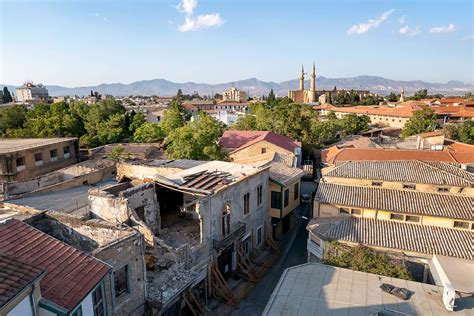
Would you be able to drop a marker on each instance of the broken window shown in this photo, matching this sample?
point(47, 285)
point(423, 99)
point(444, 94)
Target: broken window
point(53, 153)
point(121, 281)
point(246, 203)
point(98, 301)
point(276, 199)
point(66, 149)
point(38, 157)
point(20, 163)
point(140, 212)
point(226, 221)
point(259, 195)
point(287, 197)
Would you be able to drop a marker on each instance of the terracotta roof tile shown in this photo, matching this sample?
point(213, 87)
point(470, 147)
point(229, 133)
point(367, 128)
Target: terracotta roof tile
point(237, 140)
point(400, 201)
point(15, 275)
point(71, 274)
point(396, 235)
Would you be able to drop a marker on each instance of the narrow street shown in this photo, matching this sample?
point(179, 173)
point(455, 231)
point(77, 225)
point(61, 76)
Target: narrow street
point(293, 247)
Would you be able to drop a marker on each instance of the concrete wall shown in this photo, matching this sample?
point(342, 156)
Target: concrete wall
point(131, 252)
point(256, 149)
point(125, 170)
point(32, 170)
point(211, 210)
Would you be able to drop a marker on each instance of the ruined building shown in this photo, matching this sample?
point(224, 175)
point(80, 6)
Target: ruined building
point(202, 222)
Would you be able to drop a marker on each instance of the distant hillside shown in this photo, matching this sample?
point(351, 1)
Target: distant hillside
point(254, 86)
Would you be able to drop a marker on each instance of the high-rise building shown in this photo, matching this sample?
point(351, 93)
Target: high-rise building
point(31, 92)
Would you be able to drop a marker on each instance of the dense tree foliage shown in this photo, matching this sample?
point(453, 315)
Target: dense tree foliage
point(365, 259)
point(148, 133)
point(197, 139)
point(174, 117)
point(392, 97)
point(463, 132)
point(7, 97)
point(422, 121)
point(12, 118)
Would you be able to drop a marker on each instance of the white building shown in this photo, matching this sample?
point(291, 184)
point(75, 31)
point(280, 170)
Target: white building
point(30, 92)
point(235, 95)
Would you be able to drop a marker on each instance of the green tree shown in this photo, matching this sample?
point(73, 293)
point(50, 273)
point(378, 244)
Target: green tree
point(271, 98)
point(7, 97)
point(116, 153)
point(365, 259)
point(451, 130)
point(12, 118)
point(173, 118)
point(149, 133)
point(196, 140)
point(324, 133)
point(466, 132)
point(137, 120)
point(352, 124)
point(420, 94)
point(247, 122)
point(331, 116)
point(392, 97)
point(422, 121)
point(112, 130)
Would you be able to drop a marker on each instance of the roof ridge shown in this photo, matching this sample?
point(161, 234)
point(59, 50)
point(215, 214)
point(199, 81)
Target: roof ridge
point(444, 171)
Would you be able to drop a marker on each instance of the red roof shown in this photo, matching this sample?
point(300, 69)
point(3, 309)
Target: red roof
point(15, 276)
point(237, 140)
point(70, 273)
point(452, 100)
point(357, 154)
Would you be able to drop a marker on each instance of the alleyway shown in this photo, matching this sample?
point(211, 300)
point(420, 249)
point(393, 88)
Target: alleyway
point(293, 246)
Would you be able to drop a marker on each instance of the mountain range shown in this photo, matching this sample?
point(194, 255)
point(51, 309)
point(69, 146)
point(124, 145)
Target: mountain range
point(257, 87)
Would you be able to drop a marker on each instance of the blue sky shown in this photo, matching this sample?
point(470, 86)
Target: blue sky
point(74, 43)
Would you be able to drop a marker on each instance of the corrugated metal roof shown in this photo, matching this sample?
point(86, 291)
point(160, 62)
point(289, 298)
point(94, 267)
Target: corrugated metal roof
point(401, 201)
point(15, 275)
point(396, 235)
point(71, 274)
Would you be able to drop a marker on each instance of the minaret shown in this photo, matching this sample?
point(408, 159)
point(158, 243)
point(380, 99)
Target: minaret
point(302, 78)
point(313, 79)
point(402, 95)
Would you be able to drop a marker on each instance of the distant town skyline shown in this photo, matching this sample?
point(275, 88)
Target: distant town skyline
point(225, 41)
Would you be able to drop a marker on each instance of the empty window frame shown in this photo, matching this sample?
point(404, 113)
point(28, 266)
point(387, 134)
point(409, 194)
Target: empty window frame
point(397, 217)
point(276, 199)
point(53, 153)
point(20, 161)
point(246, 203)
point(412, 218)
point(443, 189)
point(121, 285)
point(38, 157)
point(296, 194)
point(343, 210)
point(259, 195)
point(376, 183)
point(287, 197)
point(460, 224)
point(409, 186)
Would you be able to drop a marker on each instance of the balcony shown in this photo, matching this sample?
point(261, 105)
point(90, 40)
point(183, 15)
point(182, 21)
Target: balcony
point(237, 231)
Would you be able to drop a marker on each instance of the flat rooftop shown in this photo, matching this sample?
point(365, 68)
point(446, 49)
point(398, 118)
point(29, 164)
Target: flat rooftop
point(15, 144)
point(317, 289)
point(66, 201)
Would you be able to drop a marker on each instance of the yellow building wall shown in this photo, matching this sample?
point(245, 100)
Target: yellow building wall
point(256, 149)
point(292, 202)
point(330, 210)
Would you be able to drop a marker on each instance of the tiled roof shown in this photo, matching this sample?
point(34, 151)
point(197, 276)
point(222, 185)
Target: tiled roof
point(15, 275)
point(396, 235)
point(283, 174)
point(401, 201)
point(412, 171)
point(356, 154)
point(237, 140)
point(71, 274)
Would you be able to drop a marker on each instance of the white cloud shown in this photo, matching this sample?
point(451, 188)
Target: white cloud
point(443, 29)
point(402, 19)
point(201, 22)
point(406, 30)
point(187, 6)
point(370, 24)
point(468, 38)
